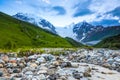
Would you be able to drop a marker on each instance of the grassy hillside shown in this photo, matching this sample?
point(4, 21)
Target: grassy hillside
point(111, 42)
point(73, 42)
point(18, 34)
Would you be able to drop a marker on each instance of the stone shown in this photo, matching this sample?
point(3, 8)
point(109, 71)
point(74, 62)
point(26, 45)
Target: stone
point(14, 65)
point(117, 59)
point(110, 60)
point(1, 65)
point(2, 62)
point(12, 78)
point(48, 57)
point(33, 65)
point(5, 58)
point(1, 73)
point(77, 75)
point(42, 77)
point(75, 65)
point(41, 60)
point(13, 61)
point(88, 69)
point(3, 78)
point(53, 76)
point(86, 74)
point(66, 64)
point(9, 65)
point(21, 65)
point(10, 71)
point(32, 57)
point(16, 71)
point(42, 72)
point(18, 75)
point(51, 71)
point(56, 63)
point(106, 65)
point(29, 73)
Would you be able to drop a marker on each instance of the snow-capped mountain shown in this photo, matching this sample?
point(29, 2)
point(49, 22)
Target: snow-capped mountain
point(86, 33)
point(76, 31)
point(36, 21)
point(81, 29)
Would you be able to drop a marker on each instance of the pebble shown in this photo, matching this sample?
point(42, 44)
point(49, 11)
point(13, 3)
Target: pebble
point(5, 58)
point(1, 73)
point(66, 64)
point(77, 75)
point(1, 65)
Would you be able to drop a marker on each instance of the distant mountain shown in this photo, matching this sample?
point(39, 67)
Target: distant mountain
point(110, 42)
point(15, 33)
point(81, 29)
point(36, 21)
point(88, 34)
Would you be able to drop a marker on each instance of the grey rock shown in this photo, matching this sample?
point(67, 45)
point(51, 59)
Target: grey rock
point(48, 57)
point(16, 71)
point(66, 64)
point(77, 75)
point(1, 73)
point(41, 60)
point(29, 73)
point(53, 77)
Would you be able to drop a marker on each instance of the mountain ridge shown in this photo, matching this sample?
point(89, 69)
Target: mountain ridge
point(38, 21)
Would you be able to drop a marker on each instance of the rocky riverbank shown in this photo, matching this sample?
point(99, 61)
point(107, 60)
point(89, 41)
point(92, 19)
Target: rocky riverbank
point(82, 64)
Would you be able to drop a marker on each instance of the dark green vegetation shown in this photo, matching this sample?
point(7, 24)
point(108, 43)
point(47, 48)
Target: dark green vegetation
point(110, 42)
point(18, 34)
point(73, 42)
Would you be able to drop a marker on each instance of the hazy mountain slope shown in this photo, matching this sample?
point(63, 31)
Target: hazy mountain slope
point(15, 33)
point(110, 42)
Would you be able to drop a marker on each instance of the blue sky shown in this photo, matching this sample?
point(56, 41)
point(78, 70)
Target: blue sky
point(64, 12)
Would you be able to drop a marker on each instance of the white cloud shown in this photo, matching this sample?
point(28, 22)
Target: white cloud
point(19, 2)
point(46, 1)
point(103, 6)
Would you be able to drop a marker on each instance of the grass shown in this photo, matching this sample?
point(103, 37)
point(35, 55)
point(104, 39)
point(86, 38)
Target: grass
point(110, 42)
